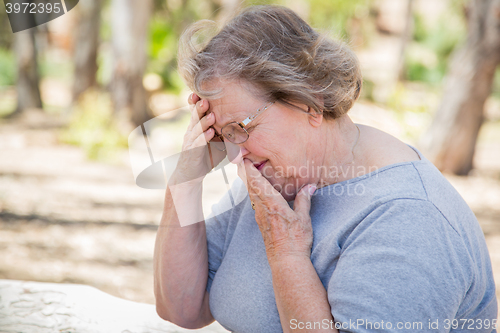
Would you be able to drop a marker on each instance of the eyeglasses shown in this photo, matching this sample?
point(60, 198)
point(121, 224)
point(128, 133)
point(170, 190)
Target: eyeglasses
point(235, 132)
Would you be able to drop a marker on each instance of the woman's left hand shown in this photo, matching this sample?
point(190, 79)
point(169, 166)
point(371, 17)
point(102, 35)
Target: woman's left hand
point(286, 232)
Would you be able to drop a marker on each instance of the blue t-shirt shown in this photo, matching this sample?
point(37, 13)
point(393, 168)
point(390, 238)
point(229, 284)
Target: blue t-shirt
point(397, 249)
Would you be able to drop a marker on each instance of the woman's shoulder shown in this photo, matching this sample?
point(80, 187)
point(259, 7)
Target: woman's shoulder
point(380, 149)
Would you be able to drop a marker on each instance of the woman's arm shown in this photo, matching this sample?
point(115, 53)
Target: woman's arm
point(181, 266)
point(300, 296)
point(180, 257)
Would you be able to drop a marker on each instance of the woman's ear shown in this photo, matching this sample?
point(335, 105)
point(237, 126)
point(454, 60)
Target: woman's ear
point(315, 118)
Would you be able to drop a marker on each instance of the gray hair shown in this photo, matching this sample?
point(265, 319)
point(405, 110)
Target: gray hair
point(276, 51)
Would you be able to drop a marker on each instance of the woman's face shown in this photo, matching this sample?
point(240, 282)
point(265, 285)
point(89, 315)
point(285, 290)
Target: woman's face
point(280, 138)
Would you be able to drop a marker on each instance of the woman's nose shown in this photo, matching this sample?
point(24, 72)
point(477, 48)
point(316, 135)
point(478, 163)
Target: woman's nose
point(244, 151)
point(235, 152)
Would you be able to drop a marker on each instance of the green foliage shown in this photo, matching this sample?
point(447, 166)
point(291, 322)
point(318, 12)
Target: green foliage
point(367, 90)
point(332, 15)
point(411, 103)
point(55, 67)
point(8, 101)
point(172, 17)
point(496, 84)
point(6, 35)
point(335, 14)
point(104, 67)
point(420, 31)
point(260, 2)
point(427, 57)
point(400, 100)
point(162, 53)
point(93, 127)
point(169, 21)
point(7, 68)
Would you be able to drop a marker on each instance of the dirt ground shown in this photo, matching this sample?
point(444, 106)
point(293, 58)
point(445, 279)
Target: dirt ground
point(66, 219)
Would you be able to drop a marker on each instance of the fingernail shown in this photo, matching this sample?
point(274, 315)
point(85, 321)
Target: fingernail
point(202, 103)
point(210, 116)
point(312, 189)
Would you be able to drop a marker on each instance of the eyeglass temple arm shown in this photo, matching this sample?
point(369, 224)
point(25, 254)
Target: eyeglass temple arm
point(252, 117)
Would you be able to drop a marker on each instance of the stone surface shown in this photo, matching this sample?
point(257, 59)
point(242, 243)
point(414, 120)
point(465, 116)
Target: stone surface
point(50, 307)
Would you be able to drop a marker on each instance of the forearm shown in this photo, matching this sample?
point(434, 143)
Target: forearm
point(181, 262)
point(300, 296)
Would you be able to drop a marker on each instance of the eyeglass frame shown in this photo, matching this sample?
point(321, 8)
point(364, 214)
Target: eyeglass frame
point(243, 124)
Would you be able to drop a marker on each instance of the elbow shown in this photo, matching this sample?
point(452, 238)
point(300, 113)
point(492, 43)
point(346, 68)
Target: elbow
point(162, 312)
point(182, 320)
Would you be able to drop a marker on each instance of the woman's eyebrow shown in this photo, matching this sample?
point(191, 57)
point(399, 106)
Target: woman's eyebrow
point(228, 120)
point(215, 124)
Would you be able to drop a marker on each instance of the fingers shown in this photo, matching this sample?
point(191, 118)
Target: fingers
point(302, 204)
point(198, 131)
point(198, 107)
point(242, 174)
point(198, 112)
point(204, 126)
point(201, 108)
point(193, 98)
point(258, 187)
point(203, 137)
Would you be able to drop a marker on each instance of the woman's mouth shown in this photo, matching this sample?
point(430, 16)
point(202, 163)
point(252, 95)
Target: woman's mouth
point(261, 165)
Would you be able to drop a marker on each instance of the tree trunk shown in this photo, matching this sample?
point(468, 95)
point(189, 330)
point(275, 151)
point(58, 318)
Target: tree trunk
point(405, 39)
point(130, 22)
point(86, 45)
point(450, 141)
point(27, 85)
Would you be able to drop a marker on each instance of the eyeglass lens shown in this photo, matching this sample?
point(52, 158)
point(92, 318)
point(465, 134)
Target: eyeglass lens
point(234, 133)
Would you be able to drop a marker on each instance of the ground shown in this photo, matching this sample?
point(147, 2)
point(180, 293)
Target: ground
point(66, 219)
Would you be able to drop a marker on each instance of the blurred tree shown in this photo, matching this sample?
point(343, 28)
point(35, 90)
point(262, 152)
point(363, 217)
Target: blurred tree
point(5, 30)
point(170, 19)
point(434, 40)
point(450, 141)
point(130, 23)
point(27, 84)
point(227, 9)
point(86, 45)
point(405, 38)
point(334, 14)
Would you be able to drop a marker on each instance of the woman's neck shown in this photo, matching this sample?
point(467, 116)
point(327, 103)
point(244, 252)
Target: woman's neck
point(340, 157)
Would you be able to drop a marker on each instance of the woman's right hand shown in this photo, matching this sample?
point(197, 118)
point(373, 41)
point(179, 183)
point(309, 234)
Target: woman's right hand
point(196, 159)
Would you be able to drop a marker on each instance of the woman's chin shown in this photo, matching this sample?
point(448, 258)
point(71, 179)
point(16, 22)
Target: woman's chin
point(287, 192)
point(289, 197)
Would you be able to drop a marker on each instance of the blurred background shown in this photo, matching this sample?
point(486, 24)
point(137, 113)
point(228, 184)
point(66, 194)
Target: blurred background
point(72, 90)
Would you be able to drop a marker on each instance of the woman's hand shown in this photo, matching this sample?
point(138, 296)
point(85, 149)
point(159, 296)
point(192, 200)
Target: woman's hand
point(288, 238)
point(286, 232)
point(196, 159)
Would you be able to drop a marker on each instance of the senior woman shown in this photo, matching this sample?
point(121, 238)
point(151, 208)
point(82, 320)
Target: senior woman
point(342, 227)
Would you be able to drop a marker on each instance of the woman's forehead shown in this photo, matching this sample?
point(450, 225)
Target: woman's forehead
point(236, 100)
point(226, 113)
point(235, 103)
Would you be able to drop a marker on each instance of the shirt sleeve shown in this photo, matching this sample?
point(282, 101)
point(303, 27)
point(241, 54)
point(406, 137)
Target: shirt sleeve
point(218, 225)
point(403, 268)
